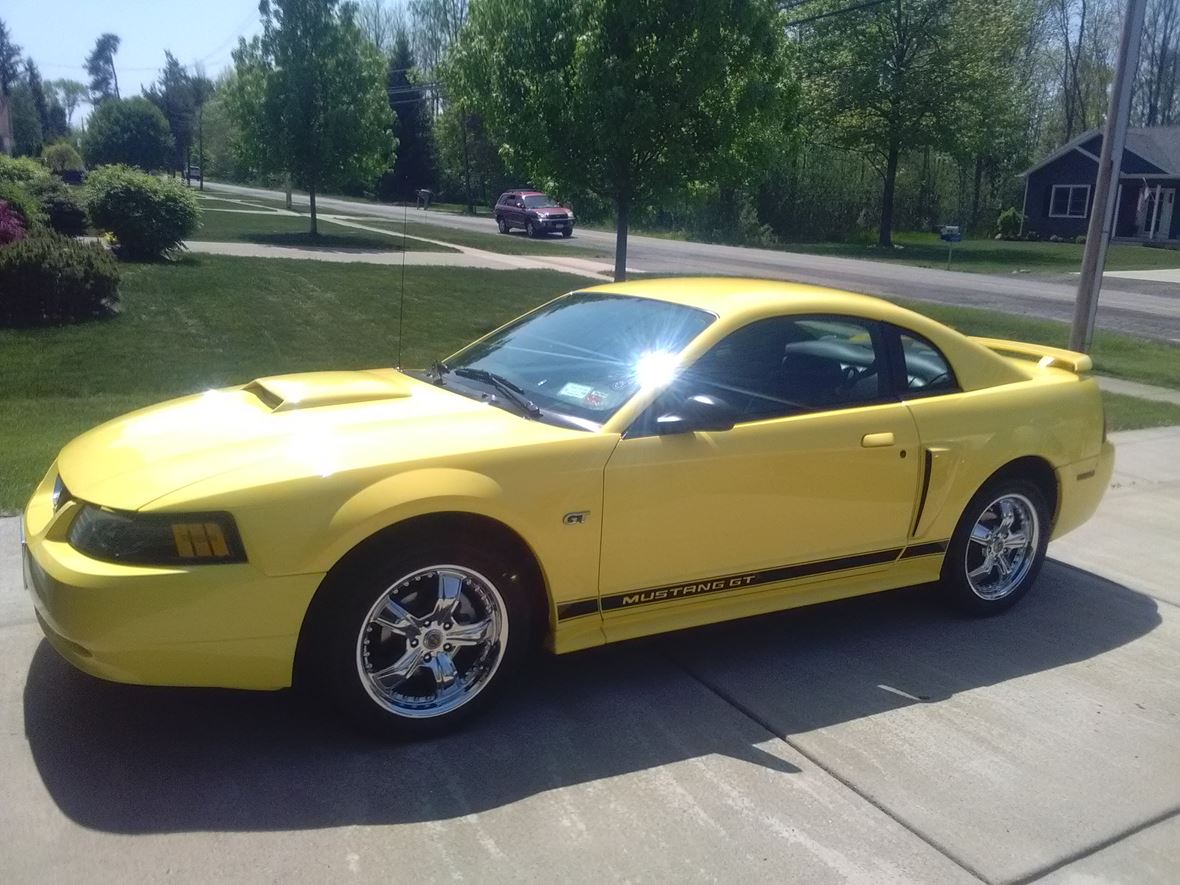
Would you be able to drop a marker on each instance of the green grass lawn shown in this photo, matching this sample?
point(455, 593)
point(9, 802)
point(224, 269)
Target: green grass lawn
point(995, 256)
point(289, 230)
point(208, 321)
point(1132, 413)
point(515, 243)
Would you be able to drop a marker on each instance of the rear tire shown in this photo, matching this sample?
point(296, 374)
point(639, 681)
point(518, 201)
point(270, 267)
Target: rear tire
point(416, 642)
point(998, 547)
point(503, 225)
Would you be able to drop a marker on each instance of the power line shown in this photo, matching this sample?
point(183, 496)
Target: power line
point(834, 12)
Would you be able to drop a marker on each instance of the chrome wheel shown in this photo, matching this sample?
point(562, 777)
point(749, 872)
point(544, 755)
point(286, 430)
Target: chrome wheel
point(1002, 546)
point(432, 641)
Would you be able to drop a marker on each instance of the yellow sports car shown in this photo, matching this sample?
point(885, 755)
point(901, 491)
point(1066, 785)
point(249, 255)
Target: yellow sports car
point(624, 460)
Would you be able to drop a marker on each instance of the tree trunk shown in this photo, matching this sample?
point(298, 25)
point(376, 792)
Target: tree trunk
point(885, 236)
point(977, 184)
point(115, 77)
point(622, 219)
point(467, 167)
point(201, 147)
point(311, 196)
point(288, 191)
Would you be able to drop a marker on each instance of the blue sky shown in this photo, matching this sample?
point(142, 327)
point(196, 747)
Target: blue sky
point(59, 34)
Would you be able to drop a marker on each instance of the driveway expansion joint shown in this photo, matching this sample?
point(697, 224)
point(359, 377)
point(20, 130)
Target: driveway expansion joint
point(810, 757)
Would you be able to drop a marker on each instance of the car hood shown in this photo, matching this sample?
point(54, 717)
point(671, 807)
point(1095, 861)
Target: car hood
point(281, 428)
point(552, 212)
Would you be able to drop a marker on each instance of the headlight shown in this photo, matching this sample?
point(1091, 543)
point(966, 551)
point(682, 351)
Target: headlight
point(60, 494)
point(156, 539)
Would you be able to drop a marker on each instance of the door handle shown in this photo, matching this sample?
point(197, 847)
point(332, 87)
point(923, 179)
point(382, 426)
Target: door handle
point(876, 440)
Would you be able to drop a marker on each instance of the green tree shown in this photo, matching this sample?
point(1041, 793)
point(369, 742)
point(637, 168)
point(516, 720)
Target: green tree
point(173, 95)
point(203, 91)
point(625, 100)
point(27, 134)
point(884, 80)
point(131, 131)
point(100, 65)
point(989, 39)
point(414, 167)
point(39, 97)
point(70, 94)
point(9, 77)
point(309, 97)
point(9, 60)
point(61, 157)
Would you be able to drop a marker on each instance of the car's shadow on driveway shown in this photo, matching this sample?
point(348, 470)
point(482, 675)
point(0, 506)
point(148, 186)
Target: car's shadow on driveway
point(143, 760)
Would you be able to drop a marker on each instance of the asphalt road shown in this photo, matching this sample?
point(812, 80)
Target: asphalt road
point(1137, 307)
point(875, 740)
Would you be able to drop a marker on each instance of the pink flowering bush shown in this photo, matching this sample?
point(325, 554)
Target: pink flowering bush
point(12, 226)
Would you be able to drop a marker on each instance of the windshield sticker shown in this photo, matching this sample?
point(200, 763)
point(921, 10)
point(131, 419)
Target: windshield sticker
point(595, 399)
point(575, 391)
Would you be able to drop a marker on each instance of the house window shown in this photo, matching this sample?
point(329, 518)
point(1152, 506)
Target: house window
point(1069, 201)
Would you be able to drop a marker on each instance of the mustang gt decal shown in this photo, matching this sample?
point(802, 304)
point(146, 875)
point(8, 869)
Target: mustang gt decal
point(631, 598)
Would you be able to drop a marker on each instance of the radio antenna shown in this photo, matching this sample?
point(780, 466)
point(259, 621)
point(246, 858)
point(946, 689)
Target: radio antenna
point(401, 307)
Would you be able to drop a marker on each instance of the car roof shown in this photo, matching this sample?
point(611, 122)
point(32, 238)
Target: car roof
point(726, 296)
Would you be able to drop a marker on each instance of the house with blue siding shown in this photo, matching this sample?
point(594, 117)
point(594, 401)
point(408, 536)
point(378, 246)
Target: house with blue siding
point(1058, 191)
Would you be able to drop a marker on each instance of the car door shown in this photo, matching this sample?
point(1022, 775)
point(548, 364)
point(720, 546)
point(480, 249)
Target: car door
point(516, 209)
point(816, 480)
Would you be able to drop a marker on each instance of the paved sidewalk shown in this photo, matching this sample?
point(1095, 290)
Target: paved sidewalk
point(876, 740)
point(1155, 276)
point(1135, 388)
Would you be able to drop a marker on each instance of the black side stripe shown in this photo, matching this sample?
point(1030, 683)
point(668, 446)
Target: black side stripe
point(578, 608)
point(925, 549)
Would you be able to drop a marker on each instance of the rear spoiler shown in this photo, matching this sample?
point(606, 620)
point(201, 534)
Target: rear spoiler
point(1043, 354)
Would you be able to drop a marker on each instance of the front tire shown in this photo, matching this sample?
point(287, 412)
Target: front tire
point(568, 232)
point(415, 644)
point(532, 230)
point(998, 547)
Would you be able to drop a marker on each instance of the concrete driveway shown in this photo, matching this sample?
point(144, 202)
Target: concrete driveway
point(874, 740)
point(1147, 308)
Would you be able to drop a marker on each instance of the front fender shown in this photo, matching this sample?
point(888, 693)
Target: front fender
point(402, 497)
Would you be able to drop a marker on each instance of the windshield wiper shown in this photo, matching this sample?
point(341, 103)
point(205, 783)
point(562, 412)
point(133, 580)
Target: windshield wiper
point(438, 369)
point(502, 384)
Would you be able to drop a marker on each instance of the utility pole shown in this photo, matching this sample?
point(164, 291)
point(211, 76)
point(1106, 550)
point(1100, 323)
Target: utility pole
point(1109, 164)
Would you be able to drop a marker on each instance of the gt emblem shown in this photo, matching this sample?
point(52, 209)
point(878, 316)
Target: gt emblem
point(576, 518)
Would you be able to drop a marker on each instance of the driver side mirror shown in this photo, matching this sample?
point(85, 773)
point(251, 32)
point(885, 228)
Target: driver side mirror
point(701, 412)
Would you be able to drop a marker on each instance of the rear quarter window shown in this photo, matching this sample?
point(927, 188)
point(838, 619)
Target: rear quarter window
point(926, 370)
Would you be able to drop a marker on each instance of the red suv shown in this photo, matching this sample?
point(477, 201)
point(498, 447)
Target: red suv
point(533, 211)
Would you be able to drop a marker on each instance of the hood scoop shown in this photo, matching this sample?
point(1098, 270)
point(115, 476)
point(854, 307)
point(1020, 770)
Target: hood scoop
point(286, 393)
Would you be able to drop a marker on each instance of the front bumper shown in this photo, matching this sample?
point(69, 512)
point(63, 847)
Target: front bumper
point(228, 626)
point(555, 224)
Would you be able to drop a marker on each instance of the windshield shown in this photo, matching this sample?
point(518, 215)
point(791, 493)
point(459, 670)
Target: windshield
point(584, 355)
point(539, 201)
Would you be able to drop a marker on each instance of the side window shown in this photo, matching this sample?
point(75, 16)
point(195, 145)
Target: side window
point(788, 365)
point(927, 371)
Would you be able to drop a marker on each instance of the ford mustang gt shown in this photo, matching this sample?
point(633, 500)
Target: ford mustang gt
point(623, 460)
